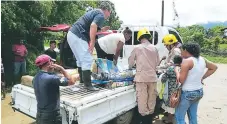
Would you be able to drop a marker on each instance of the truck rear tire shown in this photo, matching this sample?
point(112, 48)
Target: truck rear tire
point(125, 118)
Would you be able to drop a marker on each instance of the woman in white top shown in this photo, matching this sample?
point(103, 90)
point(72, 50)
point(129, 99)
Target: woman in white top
point(109, 46)
point(191, 76)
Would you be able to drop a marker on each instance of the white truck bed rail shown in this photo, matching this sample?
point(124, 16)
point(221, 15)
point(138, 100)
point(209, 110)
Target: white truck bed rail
point(76, 104)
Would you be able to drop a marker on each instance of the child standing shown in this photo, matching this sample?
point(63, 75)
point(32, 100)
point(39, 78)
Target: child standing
point(172, 77)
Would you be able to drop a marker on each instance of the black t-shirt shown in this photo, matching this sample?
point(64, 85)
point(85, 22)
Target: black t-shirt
point(51, 53)
point(46, 86)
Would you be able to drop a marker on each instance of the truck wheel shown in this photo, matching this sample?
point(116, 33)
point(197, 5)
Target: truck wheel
point(125, 118)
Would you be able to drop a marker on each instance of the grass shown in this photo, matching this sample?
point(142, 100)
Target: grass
point(216, 59)
point(223, 46)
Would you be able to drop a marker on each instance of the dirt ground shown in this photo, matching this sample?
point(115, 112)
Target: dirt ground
point(212, 107)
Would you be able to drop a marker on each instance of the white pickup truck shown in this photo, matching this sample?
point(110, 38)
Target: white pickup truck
point(83, 107)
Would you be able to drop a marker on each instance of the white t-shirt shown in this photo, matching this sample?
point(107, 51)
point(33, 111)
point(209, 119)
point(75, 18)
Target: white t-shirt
point(195, 75)
point(109, 42)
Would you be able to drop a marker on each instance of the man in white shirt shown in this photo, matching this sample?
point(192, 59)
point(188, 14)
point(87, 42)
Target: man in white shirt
point(109, 46)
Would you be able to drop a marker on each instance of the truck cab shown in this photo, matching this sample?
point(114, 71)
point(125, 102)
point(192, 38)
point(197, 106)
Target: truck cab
point(157, 32)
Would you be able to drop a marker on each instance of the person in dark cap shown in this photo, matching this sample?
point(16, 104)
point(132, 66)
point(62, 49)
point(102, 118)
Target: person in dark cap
point(82, 36)
point(46, 85)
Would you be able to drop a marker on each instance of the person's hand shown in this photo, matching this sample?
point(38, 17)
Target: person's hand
point(91, 47)
point(115, 62)
point(105, 28)
point(202, 82)
point(164, 57)
point(57, 67)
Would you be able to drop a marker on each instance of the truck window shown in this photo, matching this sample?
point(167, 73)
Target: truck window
point(155, 37)
point(176, 35)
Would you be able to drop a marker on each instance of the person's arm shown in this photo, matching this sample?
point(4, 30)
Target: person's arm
point(176, 70)
point(163, 58)
point(211, 69)
point(97, 22)
point(118, 50)
point(63, 71)
point(158, 61)
point(131, 59)
point(93, 31)
point(185, 67)
point(14, 49)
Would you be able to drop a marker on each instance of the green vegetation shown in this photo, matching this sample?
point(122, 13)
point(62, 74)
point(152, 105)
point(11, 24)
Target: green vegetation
point(21, 19)
point(216, 59)
point(210, 40)
point(223, 46)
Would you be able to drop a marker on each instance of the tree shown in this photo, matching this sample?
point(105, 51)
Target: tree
point(113, 20)
point(194, 33)
point(216, 41)
point(21, 19)
point(69, 11)
point(215, 31)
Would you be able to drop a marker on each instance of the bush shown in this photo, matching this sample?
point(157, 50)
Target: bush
point(33, 52)
point(31, 67)
point(216, 42)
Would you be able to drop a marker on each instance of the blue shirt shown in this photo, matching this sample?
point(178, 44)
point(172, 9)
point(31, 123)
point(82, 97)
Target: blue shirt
point(81, 27)
point(46, 86)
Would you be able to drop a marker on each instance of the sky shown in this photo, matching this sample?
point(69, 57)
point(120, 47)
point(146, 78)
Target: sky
point(189, 11)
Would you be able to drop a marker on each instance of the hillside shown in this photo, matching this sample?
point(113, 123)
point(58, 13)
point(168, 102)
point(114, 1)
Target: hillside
point(212, 24)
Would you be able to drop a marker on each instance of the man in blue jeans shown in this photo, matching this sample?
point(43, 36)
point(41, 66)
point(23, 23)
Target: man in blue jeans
point(20, 52)
point(82, 36)
point(46, 85)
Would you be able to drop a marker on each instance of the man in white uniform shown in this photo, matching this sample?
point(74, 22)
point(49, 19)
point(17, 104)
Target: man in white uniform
point(109, 46)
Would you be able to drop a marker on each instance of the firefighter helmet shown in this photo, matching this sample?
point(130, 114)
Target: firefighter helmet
point(143, 32)
point(169, 39)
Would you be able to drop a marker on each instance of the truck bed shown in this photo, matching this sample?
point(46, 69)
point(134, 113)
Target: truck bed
point(78, 104)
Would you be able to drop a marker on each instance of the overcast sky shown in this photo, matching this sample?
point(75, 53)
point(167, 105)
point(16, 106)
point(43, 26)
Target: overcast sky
point(190, 11)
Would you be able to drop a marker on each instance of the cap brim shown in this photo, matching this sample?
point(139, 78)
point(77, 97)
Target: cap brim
point(54, 60)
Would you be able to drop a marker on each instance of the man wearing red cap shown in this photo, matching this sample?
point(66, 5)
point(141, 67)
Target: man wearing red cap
point(46, 85)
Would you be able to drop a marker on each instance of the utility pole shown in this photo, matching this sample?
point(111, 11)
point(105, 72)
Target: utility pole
point(176, 16)
point(162, 18)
